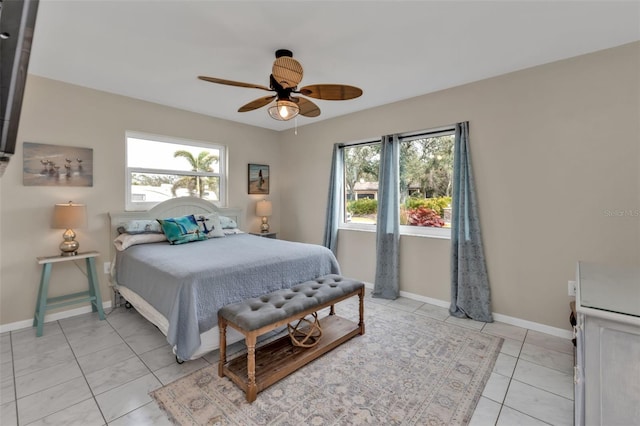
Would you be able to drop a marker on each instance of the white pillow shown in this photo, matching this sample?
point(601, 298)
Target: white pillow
point(210, 225)
point(228, 223)
point(124, 241)
point(140, 227)
point(232, 231)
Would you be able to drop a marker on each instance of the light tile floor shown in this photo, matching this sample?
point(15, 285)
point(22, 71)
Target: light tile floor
point(83, 371)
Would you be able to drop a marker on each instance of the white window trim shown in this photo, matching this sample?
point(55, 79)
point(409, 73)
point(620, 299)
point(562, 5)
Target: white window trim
point(144, 206)
point(413, 231)
point(358, 226)
point(426, 231)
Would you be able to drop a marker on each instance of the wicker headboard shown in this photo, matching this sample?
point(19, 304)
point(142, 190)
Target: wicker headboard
point(172, 208)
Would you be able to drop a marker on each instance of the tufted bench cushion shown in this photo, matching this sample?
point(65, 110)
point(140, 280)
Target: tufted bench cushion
point(252, 314)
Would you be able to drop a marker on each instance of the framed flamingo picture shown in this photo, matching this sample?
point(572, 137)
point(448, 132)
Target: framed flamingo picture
point(55, 165)
point(258, 179)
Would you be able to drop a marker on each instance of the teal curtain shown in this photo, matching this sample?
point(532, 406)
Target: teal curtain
point(387, 282)
point(334, 200)
point(470, 293)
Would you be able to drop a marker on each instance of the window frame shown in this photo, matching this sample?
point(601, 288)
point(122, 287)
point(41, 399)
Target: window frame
point(131, 205)
point(416, 231)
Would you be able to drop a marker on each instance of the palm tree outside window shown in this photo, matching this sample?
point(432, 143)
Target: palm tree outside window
point(160, 168)
point(197, 185)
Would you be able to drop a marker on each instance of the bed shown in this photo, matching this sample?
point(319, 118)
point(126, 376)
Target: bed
point(179, 288)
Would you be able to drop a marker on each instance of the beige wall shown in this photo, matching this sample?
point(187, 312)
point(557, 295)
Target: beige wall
point(553, 148)
point(63, 114)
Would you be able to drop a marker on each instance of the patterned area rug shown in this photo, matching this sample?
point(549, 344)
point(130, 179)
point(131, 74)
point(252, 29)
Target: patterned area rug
point(405, 370)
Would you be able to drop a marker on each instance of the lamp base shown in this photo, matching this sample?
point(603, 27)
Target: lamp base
point(69, 251)
point(69, 247)
point(264, 228)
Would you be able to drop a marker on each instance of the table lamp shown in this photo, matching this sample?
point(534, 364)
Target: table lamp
point(68, 216)
point(263, 208)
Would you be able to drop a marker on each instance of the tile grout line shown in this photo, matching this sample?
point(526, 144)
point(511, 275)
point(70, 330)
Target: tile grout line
point(152, 372)
point(538, 388)
point(506, 392)
point(63, 408)
point(93, 396)
point(13, 372)
point(511, 379)
point(140, 359)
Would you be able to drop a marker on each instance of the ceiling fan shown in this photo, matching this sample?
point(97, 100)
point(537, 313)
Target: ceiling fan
point(285, 76)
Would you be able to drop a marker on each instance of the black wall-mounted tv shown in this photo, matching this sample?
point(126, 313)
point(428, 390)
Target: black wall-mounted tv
point(17, 23)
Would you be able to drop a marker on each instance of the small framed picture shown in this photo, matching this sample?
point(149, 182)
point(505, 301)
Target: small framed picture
point(258, 179)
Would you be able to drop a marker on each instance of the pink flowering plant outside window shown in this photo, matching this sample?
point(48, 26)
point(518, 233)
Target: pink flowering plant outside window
point(424, 216)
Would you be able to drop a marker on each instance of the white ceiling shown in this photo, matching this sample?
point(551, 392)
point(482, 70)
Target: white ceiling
point(393, 50)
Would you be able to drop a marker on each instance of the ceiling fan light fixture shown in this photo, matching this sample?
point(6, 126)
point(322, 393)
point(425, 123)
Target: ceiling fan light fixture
point(284, 110)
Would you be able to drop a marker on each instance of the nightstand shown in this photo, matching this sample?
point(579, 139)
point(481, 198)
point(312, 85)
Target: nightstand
point(92, 295)
point(273, 235)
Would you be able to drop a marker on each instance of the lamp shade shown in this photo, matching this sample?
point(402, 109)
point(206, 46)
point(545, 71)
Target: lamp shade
point(284, 110)
point(70, 215)
point(263, 208)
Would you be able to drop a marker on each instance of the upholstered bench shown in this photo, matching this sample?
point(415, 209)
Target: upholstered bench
point(257, 316)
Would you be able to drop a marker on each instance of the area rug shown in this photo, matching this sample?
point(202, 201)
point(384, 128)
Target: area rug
point(405, 370)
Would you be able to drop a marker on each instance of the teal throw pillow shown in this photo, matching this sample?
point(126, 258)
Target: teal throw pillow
point(180, 230)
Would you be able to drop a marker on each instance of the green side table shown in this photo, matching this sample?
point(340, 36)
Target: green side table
point(92, 295)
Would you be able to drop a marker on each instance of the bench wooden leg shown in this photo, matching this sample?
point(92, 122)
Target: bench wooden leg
point(222, 325)
point(361, 297)
point(332, 311)
point(252, 389)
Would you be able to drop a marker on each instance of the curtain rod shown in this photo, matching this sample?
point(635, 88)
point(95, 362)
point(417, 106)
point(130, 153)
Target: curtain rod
point(427, 133)
point(349, 145)
point(413, 135)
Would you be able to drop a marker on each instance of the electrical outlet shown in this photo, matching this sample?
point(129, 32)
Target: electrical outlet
point(107, 267)
point(572, 288)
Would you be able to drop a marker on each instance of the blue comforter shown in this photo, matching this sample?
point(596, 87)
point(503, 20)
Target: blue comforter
point(189, 283)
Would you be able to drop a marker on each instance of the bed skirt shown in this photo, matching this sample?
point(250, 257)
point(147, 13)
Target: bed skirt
point(210, 339)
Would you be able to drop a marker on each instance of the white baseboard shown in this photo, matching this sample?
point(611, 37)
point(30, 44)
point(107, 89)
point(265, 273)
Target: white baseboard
point(535, 326)
point(518, 322)
point(19, 325)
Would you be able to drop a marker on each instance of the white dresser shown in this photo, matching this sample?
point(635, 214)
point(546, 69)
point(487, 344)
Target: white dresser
point(607, 371)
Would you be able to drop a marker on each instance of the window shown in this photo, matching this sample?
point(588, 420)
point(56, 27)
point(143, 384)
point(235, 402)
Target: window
point(426, 183)
point(160, 168)
point(361, 164)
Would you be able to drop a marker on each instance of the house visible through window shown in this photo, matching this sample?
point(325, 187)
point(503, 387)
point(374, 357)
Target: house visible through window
point(426, 181)
point(361, 164)
point(160, 168)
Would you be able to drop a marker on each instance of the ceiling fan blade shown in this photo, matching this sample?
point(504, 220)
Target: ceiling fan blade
point(307, 108)
point(287, 71)
point(233, 83)
point(331, 92)
point(256, 103)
